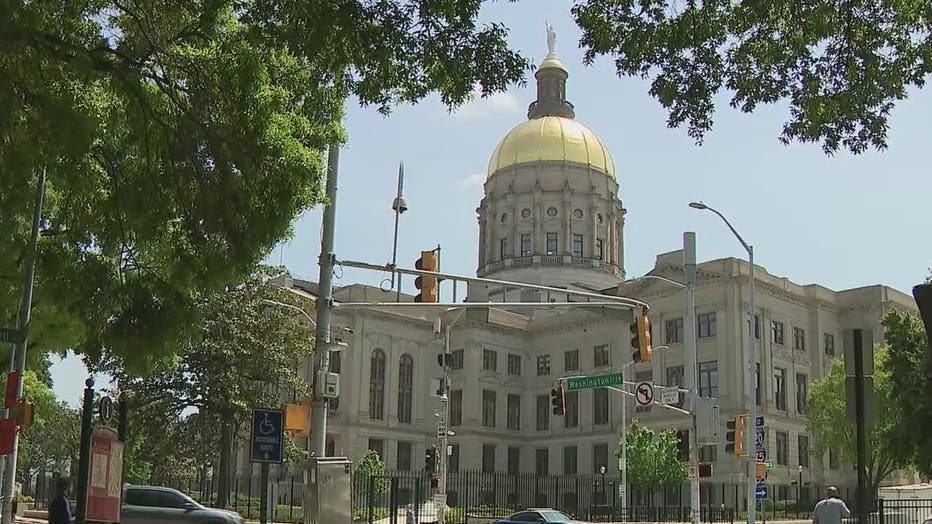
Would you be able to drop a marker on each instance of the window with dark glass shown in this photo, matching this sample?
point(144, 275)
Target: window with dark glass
point(777, 332)
point(570, 460)
point(541, 461)
point(489, 360)
point(543, 365)
point(405, 388)
point(488, 408)
point(514, 364)
point(488, 458)
point(543, 412)
point(377, 385)
point(503, 248)
point(706, 325)
point(403, 456)
point(525, 244)
point(453, 460)
point(599, 457)
point(799, 339)
point(456, 407)
point(571, 360)
point(377, 445)
point(571, 419)
point(802, 391)
point(600, 356)
point(551, 243)
point(673, 330)
point(577, 246)
point(779, 388)
point(514, 412)
point(600, 249)
point(514, 460)
point(600, 406)
point(782, 449)
point(829, 344)
point(803, 450)
point(708, 379)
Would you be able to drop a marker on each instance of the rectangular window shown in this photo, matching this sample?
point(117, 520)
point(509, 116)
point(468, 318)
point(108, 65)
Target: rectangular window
point(673, 330)
point(456, 407)
point(489, 360)
point(488, 408)
point(514, 364)
point(779, 388)
point(600, 249)
point(503, 248)
point(551, 243)
point(802, 391)
point(829, 344)
point(600, 406)
point(514, 412)
point(541, 461)
point(758, 390)
point(403, 456)
point(676, 376)
point(757, 326)
point(600, 356)
point(543, 412)
point(457, 359)
point(708, 453)
point(599, 457)
point(571, 360)
point(488, 458)
point(803, 451)
point(643, 376)
point(571, 419)
point(708, 379)
point(453, 461)
point(577, 246)
point(799, 339)
point(706, 322)
point(777, 332)
point(526, 245)
point(514, 460)
point(570, 460)
point(377, 445)
point(543, 365)
point(782, 451)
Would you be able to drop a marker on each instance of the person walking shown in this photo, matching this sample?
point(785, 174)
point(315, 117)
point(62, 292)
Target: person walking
point(60, 506)
point(831, 509)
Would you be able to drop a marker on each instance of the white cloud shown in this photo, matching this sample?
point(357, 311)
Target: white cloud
point(506, 103)
point(473, 182)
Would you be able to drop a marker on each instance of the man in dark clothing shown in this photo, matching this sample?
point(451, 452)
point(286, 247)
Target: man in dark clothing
point(60, 506)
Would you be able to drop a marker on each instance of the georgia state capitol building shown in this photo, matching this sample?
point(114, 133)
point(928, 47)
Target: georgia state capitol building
point(552, 215)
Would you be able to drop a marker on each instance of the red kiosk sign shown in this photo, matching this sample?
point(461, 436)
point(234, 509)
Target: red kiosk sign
point(105, 487)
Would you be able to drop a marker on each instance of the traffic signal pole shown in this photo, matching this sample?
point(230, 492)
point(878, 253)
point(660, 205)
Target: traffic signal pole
point(317, 446)
point(25, 311)
point(690, 358)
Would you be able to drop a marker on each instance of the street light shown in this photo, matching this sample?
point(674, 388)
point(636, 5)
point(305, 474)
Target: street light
point(602, 472)
point(750, 372)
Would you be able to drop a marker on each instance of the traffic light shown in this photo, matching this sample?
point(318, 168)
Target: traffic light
point(682, 445)
point(640, 338)
point(558, 399)
point(430, 460)
point(427, 284)
point(705, 471)
point(735, 436)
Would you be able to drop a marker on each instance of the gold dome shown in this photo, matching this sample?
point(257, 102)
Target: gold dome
point(552, 139)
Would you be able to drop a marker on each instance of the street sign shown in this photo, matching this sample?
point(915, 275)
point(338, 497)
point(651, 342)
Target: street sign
point(670, 396)
point(595, 381)
point(761, 492)
point(769, 464)
point(708, 421)
point(759, 422)
point(267, 438)
point(644, 393)
point(441, 429)
point(10, 335)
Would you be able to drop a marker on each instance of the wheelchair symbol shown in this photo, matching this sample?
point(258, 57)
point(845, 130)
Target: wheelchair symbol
point(266, 427)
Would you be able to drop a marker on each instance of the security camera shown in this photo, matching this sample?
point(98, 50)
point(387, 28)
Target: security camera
point(400, 205)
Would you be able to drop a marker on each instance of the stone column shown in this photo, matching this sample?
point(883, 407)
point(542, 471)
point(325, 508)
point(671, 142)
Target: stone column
point(567, 221)
point(537, 215)
point(594, 231)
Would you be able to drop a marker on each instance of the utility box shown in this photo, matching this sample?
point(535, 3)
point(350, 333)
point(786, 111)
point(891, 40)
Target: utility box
point(329, 491)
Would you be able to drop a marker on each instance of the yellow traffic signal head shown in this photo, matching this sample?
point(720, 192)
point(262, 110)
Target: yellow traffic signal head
point(427, 284)
point(735, 437)
point(640, 338)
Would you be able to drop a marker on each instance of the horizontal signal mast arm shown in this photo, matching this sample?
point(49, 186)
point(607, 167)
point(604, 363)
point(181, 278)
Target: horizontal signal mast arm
point(629, 302)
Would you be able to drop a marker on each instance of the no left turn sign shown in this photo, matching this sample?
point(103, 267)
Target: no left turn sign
point(644, 393)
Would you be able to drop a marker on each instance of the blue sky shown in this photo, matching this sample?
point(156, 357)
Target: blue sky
point(841, 221)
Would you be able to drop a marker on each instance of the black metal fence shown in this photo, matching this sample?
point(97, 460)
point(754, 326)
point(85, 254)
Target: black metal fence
point(902, 511)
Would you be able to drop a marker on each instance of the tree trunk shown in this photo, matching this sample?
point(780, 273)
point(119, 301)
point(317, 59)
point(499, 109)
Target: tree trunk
point(224, 468)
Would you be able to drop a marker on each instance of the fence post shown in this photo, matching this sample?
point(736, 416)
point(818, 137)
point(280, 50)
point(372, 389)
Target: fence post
point(880, 511)
point(370, 492)
point(393, 499)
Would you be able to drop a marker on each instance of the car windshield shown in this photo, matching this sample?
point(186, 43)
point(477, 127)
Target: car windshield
point(555, 516)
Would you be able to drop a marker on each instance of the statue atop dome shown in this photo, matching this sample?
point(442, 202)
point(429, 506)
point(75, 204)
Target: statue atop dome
point(551, 40)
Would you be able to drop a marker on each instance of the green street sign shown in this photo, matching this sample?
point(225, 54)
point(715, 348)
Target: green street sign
point(10, 335)
point(769, 464)
point(596, 381)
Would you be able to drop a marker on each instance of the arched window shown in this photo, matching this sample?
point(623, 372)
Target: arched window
point(405, 388)
point(377, 385)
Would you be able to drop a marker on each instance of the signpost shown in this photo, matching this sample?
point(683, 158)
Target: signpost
point(105, 486)
point(267, 438)
point(644, 393)
point(595, 381)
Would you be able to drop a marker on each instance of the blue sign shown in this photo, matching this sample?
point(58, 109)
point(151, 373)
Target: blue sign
point(761, 492)
point(267, 438)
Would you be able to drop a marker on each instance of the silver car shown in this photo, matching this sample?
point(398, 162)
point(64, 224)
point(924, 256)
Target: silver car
point(157, 505)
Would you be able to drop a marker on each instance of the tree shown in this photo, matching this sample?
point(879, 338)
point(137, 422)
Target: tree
point(51, 444)
point(181, 140)
point(910, 365)
point(840, 66)
point(827, 421)
point(245, 354)
point(370, 473)
point(652, 458)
